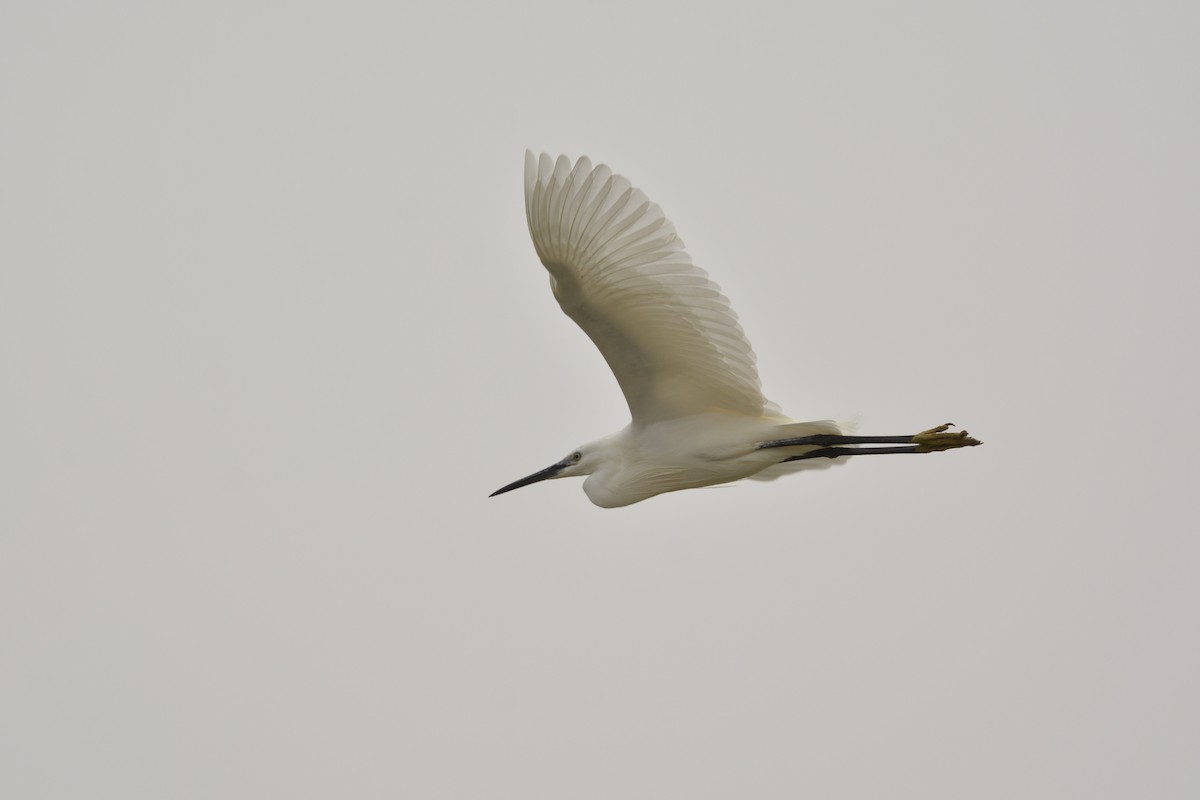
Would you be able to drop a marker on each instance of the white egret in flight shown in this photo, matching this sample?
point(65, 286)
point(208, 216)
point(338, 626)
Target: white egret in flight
point(687, 371)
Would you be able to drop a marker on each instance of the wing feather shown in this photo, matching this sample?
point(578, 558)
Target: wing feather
point(620, 271)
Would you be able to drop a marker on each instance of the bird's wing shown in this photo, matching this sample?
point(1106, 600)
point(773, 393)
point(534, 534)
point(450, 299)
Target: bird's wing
point(618, 269)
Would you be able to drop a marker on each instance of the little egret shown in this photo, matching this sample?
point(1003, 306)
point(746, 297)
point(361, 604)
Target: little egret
point(698, 416)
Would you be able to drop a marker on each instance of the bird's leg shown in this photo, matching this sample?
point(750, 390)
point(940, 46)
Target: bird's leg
point(838, 452)
point(929, 441)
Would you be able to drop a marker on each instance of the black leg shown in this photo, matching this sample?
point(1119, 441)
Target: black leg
point(839, 452)
point(928, 441)
point(830, 439)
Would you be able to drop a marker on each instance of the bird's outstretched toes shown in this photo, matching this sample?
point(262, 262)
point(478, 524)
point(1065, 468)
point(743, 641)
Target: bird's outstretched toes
point(941, 438)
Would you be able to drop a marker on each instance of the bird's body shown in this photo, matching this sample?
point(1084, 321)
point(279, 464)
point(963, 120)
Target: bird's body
point(673, 343)
point(689, 452)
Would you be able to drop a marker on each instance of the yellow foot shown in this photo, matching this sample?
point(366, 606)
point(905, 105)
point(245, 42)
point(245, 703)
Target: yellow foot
point(937, 438)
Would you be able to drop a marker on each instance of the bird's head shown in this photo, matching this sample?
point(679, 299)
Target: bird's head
point(581, 461)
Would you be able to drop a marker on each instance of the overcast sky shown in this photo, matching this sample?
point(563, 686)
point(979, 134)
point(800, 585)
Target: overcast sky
point(271, 329)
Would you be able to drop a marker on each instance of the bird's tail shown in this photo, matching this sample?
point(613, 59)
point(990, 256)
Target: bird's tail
point(795, 430)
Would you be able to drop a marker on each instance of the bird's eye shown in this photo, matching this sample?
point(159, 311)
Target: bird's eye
point(576, 455)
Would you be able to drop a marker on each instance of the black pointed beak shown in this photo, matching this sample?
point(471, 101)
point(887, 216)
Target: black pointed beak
point(540, 475)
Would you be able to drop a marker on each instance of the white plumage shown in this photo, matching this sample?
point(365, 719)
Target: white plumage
point(619, 270)
point(698, 416)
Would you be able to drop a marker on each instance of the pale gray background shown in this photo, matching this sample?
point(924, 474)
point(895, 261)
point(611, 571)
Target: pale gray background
point(271, 330)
